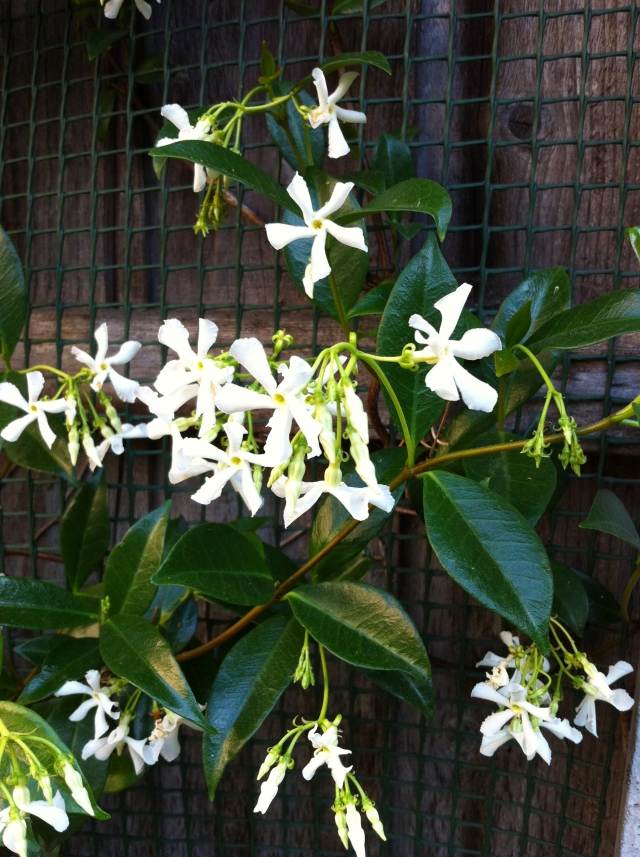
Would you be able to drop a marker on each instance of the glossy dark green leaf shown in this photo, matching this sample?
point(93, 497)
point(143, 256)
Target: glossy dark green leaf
point(290, 132)
point(35, 649)
point(362, 625)
point(68, 658)
point(537, 299)
point(392, 159)
point(248, 684)
point(422, 196)
point(372, 302)
point(84, 531)
point(340, 61)
point(230, 164)
point(24, 721)
point(331, 516)
point(602, 318)
point(134, 649)
point(608, 514)
point(514, 476)
point(425, 280)
point(220, 563)
point(488, 548)
point(570, 600)
point(37, 604)
point(13, 297)
point(133, 562)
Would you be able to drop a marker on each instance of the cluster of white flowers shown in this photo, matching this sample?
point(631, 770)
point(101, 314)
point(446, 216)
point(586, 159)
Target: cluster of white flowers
point(162, 741)
point(20, 806)
point(324, 738)
point(519, 684)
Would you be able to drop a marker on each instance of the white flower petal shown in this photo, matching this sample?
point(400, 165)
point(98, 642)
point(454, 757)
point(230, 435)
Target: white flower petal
point(344, 82)
point(352, 236)
point(199, 178)
point(250, 353)
point(496, 721)
point(126, 388)
point(450, 308)
point(279, 235)
point(35, 384)
point(617, 671)
point(233, 399)
point(477, 395)
point(337, 146)
point(207, 335)
point(476, 343)
point(355, 117)
point(482, 690)
point(125, 353)
point(299, 193)
point(177, 115)
point(10, 394)
point(491, 743)
point(440, 380)
point(101, 337)
point(12, 431)
point(47, 434)
point(320, 83)
point(339, 195)
point(621, 700)
point(319, 266)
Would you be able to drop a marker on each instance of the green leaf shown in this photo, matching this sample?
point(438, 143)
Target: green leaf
point(292, 144)
point(487, 547)
point(68, 658)
point(100, 41)
point(13, 297)
point(355, 7)
point(220, 563)
point(251, 679)
point(514, 476)
point(372, 58)
point(134, 649)
point(133, 562)
point(84, 531)
point(421, 196)
point(224, 161)
point(425, 280)
point(602, 318)
point(570, 599)
point(392, 159)
point(603, 607)
point(372, 302)
point(331, 516)
point(537, 299)
point(268, 65)
point(37, 604)
point(633, 234)
point(363, 626)
point(25, 722)
point(608, 514)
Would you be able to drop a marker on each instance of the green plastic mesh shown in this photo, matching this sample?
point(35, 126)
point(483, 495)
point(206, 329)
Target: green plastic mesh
point(528, 111)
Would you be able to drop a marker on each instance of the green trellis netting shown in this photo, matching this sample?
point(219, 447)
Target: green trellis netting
point(529, 112)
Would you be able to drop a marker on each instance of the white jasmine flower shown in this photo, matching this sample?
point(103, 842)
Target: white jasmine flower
point(51, 812)
point(448, 379)
point(598, 688)
point(355, 499)
point(102, 366)
point(269, 788)
point(186, 131)
point(328, 113)
point(317, 225)
point(14, 831)
point(118, 739)
point(538, 745)
point(354, 830)
point(184, 465)
point(232, 465)
point(194, 372)
point(75, 784)
point(164, 740)
point(516, 711)
point(112, 8)
point(98, 699)
point(326, 752)
point(287, 399)
point(115, 442)
point(34, 409)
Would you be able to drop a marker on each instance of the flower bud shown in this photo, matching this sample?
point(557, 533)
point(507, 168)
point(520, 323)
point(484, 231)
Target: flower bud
point(90, 450)
point(341, 824)
point(73, 444)
point(270, 760)
point(374, 819)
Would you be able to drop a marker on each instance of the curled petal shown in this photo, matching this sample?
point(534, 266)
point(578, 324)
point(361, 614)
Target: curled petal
point(477, 395)
point(339, 194)
point(10, 394)
point(344, 82)
point(476, 343)
point(450, 308)
point(337, 146)
point(125, 353)
point(441, 380)
point(299, 193)
point(617, 671)
point(353, 116)
point(320, 83)
point(126, 388)
point(207, 335)
point(352, 236)
point(177, 115)
point(35, 383)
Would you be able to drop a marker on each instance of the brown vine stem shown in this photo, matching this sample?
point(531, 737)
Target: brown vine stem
point(409, 472)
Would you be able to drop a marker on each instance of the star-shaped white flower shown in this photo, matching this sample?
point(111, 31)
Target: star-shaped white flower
point(117, 740)
point(112, 8)
point(233, 465)
point(598, 688)
point(193, 373)
point(269, 788)
point(98, 698)
point(115, 442)
point(13, 828)
point(326, 752)
point(448, 379)
point(164, 740)
point(286, 399)
point(328, 113)
point(317, 225)
point(186, 131)
point(102, 366)
point(34, 409)
point(51, 812)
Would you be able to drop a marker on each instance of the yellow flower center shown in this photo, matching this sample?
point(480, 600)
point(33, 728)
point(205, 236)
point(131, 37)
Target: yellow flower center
point(104, 367)
point(278, 398)
point(236, 460)
point(316, 224)
point(33, 409)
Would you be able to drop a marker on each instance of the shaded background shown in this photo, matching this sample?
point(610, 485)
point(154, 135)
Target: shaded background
point(528, 112)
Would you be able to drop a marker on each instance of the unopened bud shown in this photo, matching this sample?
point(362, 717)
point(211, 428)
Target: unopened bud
point(270, 760)
point(341, 824)
point(74, 444)
point(374, 819)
